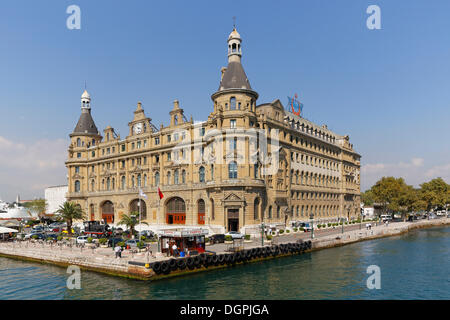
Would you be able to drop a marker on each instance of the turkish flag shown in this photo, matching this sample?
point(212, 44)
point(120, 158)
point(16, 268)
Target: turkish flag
point(160, 194)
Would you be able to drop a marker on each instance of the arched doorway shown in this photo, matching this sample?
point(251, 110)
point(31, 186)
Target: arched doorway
point(201, 211)
point(134, 208)
point(175, 211)
point(92, 212)
point(108, 211)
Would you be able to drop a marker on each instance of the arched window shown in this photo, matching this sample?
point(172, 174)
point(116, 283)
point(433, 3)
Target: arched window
point(183, 176)
point(176, 175)
point(233, 103)
point(132, 181)
point(123, 183)
point(108, 184)
point(145, 180)
point(212, 172)
point(92, 185)
point(232, 170)
point(169, 176)
point(157, 178)
point(78, 142)
point(77, 186)
point(139, 180)
point(256, 209)
point(201, 174)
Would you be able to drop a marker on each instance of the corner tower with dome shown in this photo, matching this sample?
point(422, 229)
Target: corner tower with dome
point(218, 185)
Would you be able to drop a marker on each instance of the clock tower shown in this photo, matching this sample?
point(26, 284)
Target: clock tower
point(140, 123)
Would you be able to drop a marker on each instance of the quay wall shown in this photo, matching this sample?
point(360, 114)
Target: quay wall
point(121, 267)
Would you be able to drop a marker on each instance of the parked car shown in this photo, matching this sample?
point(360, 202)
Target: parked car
point(217, 238)
point(132, 243)
point(113, 241)
point(51, 236)
point(38, 234)
point(38, 228)
point(82, 239)
point(235, 235)
point(147, 233)
point(386, 217)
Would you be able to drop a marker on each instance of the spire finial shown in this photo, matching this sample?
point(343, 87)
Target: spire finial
point(234, 23)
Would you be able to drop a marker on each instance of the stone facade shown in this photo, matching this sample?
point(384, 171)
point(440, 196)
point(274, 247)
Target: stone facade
point(220, 173)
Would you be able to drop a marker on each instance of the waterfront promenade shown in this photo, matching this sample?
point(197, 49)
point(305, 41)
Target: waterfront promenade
point(103, 259)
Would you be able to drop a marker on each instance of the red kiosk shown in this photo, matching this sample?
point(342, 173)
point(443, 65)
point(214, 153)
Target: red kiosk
point(186, 240)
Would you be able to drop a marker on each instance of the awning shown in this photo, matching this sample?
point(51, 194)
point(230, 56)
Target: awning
point(7, 230)
point(10, 223)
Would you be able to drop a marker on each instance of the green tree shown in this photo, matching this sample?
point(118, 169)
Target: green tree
point(435, 193)
point(367, 198)
point(388, 191)
point(68, 212)
point(131, 221)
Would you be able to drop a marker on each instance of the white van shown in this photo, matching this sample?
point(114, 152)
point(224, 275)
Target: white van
point(385, 217)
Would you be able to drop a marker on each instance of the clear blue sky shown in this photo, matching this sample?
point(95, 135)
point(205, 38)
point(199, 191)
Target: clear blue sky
point(388, 89)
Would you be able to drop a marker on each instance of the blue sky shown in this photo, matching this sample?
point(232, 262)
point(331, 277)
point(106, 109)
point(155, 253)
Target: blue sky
point(388, 89)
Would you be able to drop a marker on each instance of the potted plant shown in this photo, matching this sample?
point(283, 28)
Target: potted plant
point(287, 230)
point(281, 231)
point(247, 238)
point(228, 239)
point(103, 242)
point(295, 229)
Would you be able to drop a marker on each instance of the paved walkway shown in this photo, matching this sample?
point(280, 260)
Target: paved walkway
point(106, 256)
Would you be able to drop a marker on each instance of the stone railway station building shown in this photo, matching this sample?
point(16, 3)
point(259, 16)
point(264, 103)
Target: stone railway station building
point(218, 181)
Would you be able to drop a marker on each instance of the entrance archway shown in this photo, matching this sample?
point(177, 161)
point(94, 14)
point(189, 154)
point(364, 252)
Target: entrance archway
point(175, 211)
point(134, 208)
point(233, 219)
point(108, 211)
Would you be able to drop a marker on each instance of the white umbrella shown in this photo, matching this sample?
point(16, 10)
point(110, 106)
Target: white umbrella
point(7, 230)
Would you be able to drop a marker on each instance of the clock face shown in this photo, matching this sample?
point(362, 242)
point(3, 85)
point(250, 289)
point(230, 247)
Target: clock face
point(138, 128)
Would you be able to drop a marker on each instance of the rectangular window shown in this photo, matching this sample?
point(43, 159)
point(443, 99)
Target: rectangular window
point(169, 138)
point(123, 163)
point(108, 151)
point(233, 124)
point(123, 148)
point(175, 137)
point(156, 140)
point(138, 144)
point(79, 155)
point(132, 146)
point(77, 169)
point(145, 143)
point(202, 132)
point(169, 156)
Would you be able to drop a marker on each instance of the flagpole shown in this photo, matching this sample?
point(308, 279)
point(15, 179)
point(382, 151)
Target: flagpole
point(140, 214)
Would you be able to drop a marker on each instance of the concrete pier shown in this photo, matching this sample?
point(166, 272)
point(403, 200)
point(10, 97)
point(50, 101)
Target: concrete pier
point(136, 265)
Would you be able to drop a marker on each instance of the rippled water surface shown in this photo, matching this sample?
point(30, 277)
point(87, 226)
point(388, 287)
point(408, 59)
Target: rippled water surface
point(413, 266)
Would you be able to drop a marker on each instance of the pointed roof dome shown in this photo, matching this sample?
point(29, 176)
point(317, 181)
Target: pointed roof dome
point(234, 77)
point(86, 124)
point(234, 34)
point(85, 95)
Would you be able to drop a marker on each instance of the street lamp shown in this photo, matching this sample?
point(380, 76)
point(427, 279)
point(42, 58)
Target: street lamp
point(312, 224)
point(262, 233)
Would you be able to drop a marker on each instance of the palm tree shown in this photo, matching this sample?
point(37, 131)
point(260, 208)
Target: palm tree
point(131, 221)
point(70, 211)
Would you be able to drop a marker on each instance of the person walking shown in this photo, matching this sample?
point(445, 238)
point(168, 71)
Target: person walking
point(175, 249)
point(117, 251)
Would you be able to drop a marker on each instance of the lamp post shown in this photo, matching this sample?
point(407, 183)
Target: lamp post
point(312, 225)
point(262, 234)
